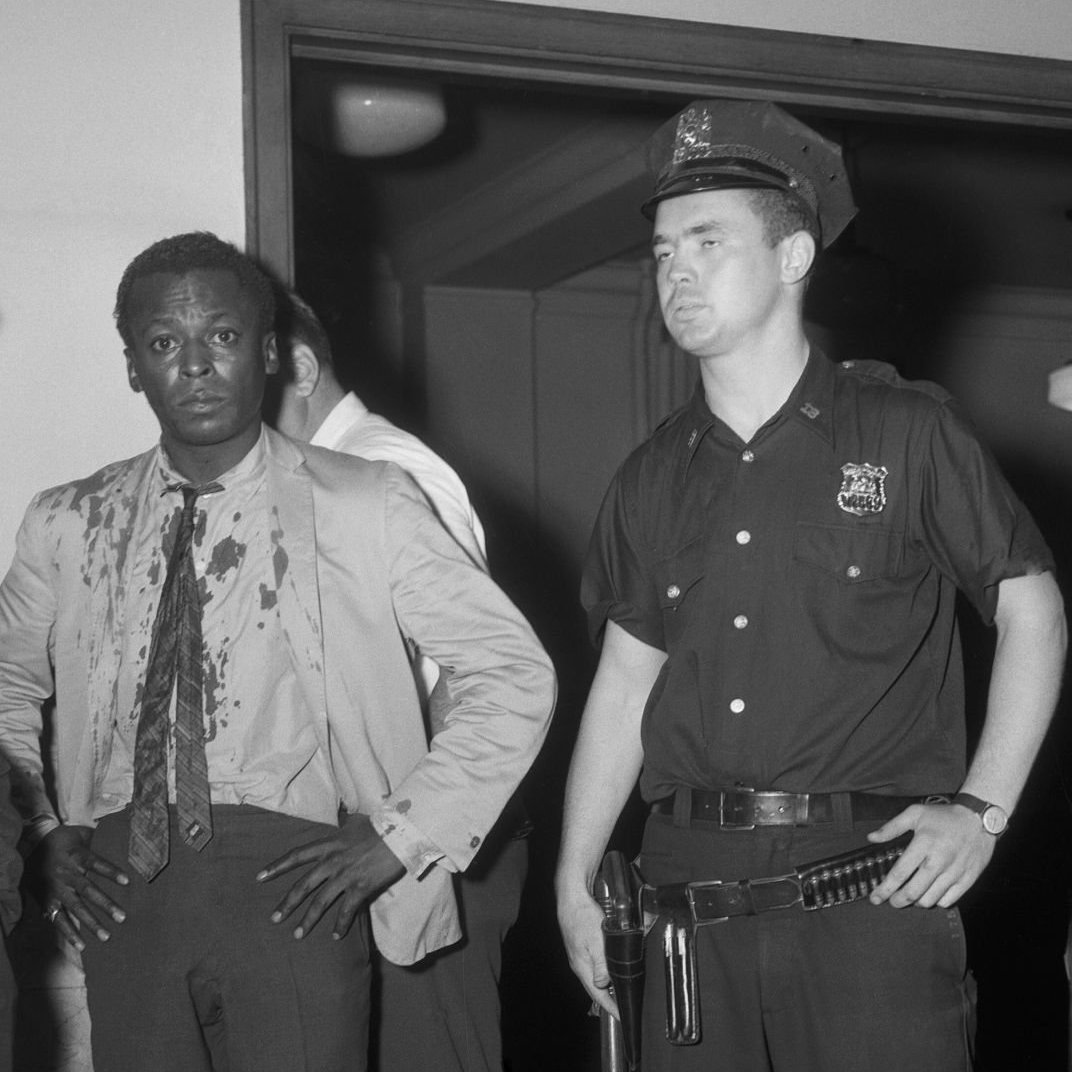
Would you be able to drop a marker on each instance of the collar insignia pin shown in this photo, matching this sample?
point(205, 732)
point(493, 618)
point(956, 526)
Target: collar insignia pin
point(863, 488)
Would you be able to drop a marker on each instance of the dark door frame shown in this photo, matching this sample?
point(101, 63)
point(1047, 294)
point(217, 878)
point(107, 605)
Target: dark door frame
point(545, 45)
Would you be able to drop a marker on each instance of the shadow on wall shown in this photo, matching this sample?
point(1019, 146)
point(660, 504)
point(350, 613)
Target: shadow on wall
point(993, 349)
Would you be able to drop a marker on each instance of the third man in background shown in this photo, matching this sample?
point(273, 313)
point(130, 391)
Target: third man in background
point(443, 1012)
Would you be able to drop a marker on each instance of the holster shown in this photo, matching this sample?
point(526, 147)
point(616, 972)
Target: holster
point(617, 889)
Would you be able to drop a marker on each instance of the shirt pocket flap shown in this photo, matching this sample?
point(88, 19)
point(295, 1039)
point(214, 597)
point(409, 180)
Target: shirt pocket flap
point(852, 554)
point(678, 575)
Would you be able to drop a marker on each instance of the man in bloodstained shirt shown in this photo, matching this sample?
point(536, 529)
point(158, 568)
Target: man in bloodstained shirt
point(225, 621)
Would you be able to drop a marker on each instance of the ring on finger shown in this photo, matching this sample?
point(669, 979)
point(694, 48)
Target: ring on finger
point(52, 913)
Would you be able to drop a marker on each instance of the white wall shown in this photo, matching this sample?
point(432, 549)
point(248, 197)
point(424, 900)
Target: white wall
point(120, 123)
point(1038, 28)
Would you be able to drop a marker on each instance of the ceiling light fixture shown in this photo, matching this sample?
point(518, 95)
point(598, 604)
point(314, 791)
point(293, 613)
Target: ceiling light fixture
point(1060, 387)
point(383, 117)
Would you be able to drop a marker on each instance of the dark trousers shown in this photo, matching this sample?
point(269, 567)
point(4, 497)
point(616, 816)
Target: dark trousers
point(444, 1013)
point(854, 988)
point(198, 978)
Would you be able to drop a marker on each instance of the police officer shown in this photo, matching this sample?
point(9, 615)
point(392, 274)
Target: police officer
point(772, 577)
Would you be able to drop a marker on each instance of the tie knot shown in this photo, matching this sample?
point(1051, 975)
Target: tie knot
point(190, 494)
point(189, 501)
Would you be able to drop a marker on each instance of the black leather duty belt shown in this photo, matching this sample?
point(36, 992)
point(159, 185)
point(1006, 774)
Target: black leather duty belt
point(745, 809)
point(833, 880)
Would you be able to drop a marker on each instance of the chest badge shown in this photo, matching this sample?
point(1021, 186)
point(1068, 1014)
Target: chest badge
point(863, 488)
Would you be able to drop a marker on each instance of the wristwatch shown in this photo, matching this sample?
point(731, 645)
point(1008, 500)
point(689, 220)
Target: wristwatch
point(995, 819)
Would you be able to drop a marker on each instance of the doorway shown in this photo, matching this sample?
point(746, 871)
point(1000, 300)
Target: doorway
point(490, 292)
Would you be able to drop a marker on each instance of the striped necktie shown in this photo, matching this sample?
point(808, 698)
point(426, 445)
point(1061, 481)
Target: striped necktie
point(174, 663)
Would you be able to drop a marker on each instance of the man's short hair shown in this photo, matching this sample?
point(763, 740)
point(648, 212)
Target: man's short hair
point(297, 322)
point(782, 214)
point(184, 253)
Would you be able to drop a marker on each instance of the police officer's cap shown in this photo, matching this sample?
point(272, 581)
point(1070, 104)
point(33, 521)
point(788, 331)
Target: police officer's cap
point(723, 145)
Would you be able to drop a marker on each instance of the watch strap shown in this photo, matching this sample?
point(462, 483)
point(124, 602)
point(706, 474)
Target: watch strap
point(975, 804)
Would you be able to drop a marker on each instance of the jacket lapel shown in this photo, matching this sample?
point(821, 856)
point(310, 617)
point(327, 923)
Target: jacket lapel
point(110, 536)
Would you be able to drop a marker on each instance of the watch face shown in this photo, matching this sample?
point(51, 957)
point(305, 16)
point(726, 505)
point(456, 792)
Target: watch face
point(994, 820)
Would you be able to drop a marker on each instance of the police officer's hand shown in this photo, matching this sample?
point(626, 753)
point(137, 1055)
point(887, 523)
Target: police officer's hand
point(581, 921)
point(351, 866)
point(947, 853)
point(62, 872)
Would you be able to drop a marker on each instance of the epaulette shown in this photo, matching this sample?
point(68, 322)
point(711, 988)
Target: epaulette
point(884, 372)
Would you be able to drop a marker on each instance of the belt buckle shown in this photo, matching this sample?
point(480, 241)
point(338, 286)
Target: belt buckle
point(792, 809)
point(690, 900)
point(795, 814)
point(731, 824)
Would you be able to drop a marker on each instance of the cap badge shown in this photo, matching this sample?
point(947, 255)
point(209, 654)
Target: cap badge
point(693, 134)
point(863, 488)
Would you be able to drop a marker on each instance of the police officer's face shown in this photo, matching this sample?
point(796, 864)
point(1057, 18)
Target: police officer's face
point(200, 355)
point(720, 282)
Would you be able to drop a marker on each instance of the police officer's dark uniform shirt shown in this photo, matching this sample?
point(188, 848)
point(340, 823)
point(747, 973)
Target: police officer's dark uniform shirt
point(803, 585)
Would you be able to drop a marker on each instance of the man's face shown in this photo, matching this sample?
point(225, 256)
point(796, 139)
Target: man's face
point(719, 281)
point(200, 355)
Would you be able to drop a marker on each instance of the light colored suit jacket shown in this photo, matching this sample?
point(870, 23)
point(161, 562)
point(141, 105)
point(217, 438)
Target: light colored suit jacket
point(366, 567)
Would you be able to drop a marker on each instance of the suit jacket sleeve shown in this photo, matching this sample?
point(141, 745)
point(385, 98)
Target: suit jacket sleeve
point(500, 681)
point(27, 621)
